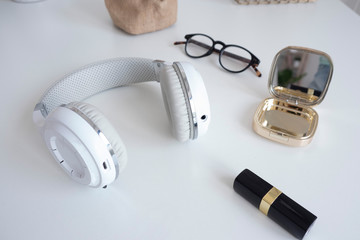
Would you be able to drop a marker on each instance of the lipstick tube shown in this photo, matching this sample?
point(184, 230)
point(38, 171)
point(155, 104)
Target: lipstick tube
point(273, 203)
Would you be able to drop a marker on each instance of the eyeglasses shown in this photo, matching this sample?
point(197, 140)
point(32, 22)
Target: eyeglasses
point(232, 58)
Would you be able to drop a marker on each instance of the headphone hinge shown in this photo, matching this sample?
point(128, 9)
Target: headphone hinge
point(39, 114)
point(157, 65)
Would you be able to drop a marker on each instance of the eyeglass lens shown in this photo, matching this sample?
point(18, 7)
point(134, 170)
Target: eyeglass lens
point(232, 58)
point(198, 46)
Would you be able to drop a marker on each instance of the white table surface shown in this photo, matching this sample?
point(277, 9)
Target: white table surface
point(171, 190)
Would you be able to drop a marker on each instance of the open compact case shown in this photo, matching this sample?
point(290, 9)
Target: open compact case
point(298, 80)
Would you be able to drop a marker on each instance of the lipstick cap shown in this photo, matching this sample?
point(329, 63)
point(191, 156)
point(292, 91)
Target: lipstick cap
point(273, 203)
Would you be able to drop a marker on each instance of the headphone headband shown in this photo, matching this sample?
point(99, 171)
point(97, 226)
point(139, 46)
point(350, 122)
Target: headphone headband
point(81, 139)
point(97, 77)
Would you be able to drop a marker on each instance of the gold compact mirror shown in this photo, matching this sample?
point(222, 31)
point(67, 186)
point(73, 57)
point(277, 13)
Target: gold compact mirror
point(299, 79)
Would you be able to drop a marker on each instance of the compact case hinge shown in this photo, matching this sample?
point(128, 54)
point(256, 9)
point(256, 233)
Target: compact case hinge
point(292, 101)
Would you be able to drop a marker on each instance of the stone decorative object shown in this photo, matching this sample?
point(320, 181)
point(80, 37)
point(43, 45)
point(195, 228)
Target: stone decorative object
point(142, 16)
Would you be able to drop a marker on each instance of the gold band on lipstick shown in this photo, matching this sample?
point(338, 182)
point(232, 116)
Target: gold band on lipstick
point(268, 199)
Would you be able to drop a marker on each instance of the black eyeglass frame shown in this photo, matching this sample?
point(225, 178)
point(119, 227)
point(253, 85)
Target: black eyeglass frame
point(253, 62)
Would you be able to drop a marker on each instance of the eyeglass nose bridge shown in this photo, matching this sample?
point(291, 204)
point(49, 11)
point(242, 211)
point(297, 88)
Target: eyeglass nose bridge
point(220, 43)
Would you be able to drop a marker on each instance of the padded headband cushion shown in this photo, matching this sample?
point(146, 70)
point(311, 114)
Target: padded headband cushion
point(175, 103)
point(106, 128)
point(98, 77)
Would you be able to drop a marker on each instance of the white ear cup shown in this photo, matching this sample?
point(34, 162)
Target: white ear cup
point(80, 147)
point(175, 103)
point(196, 96)
point(106, 128)
point(185, 99)
point(82, 140)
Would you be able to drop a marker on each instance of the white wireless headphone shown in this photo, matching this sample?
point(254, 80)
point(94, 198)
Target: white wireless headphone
point(80, 138)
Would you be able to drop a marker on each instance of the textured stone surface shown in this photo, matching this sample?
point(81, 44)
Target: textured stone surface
point(142, 16)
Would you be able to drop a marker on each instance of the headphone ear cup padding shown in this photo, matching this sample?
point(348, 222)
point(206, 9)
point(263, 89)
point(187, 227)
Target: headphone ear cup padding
point(106, 128)
point(175, 103)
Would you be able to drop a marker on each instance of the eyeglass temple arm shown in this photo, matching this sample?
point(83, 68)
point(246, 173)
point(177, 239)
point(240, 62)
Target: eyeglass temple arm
point(178, 43)
point(237, 57)
point(257, 72)
point(254, 66)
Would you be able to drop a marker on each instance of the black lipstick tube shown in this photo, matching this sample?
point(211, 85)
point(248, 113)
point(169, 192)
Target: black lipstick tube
point(273, 203)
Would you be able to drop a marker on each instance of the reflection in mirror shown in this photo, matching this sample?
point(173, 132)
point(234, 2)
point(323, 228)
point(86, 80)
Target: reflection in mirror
point(301, 73)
